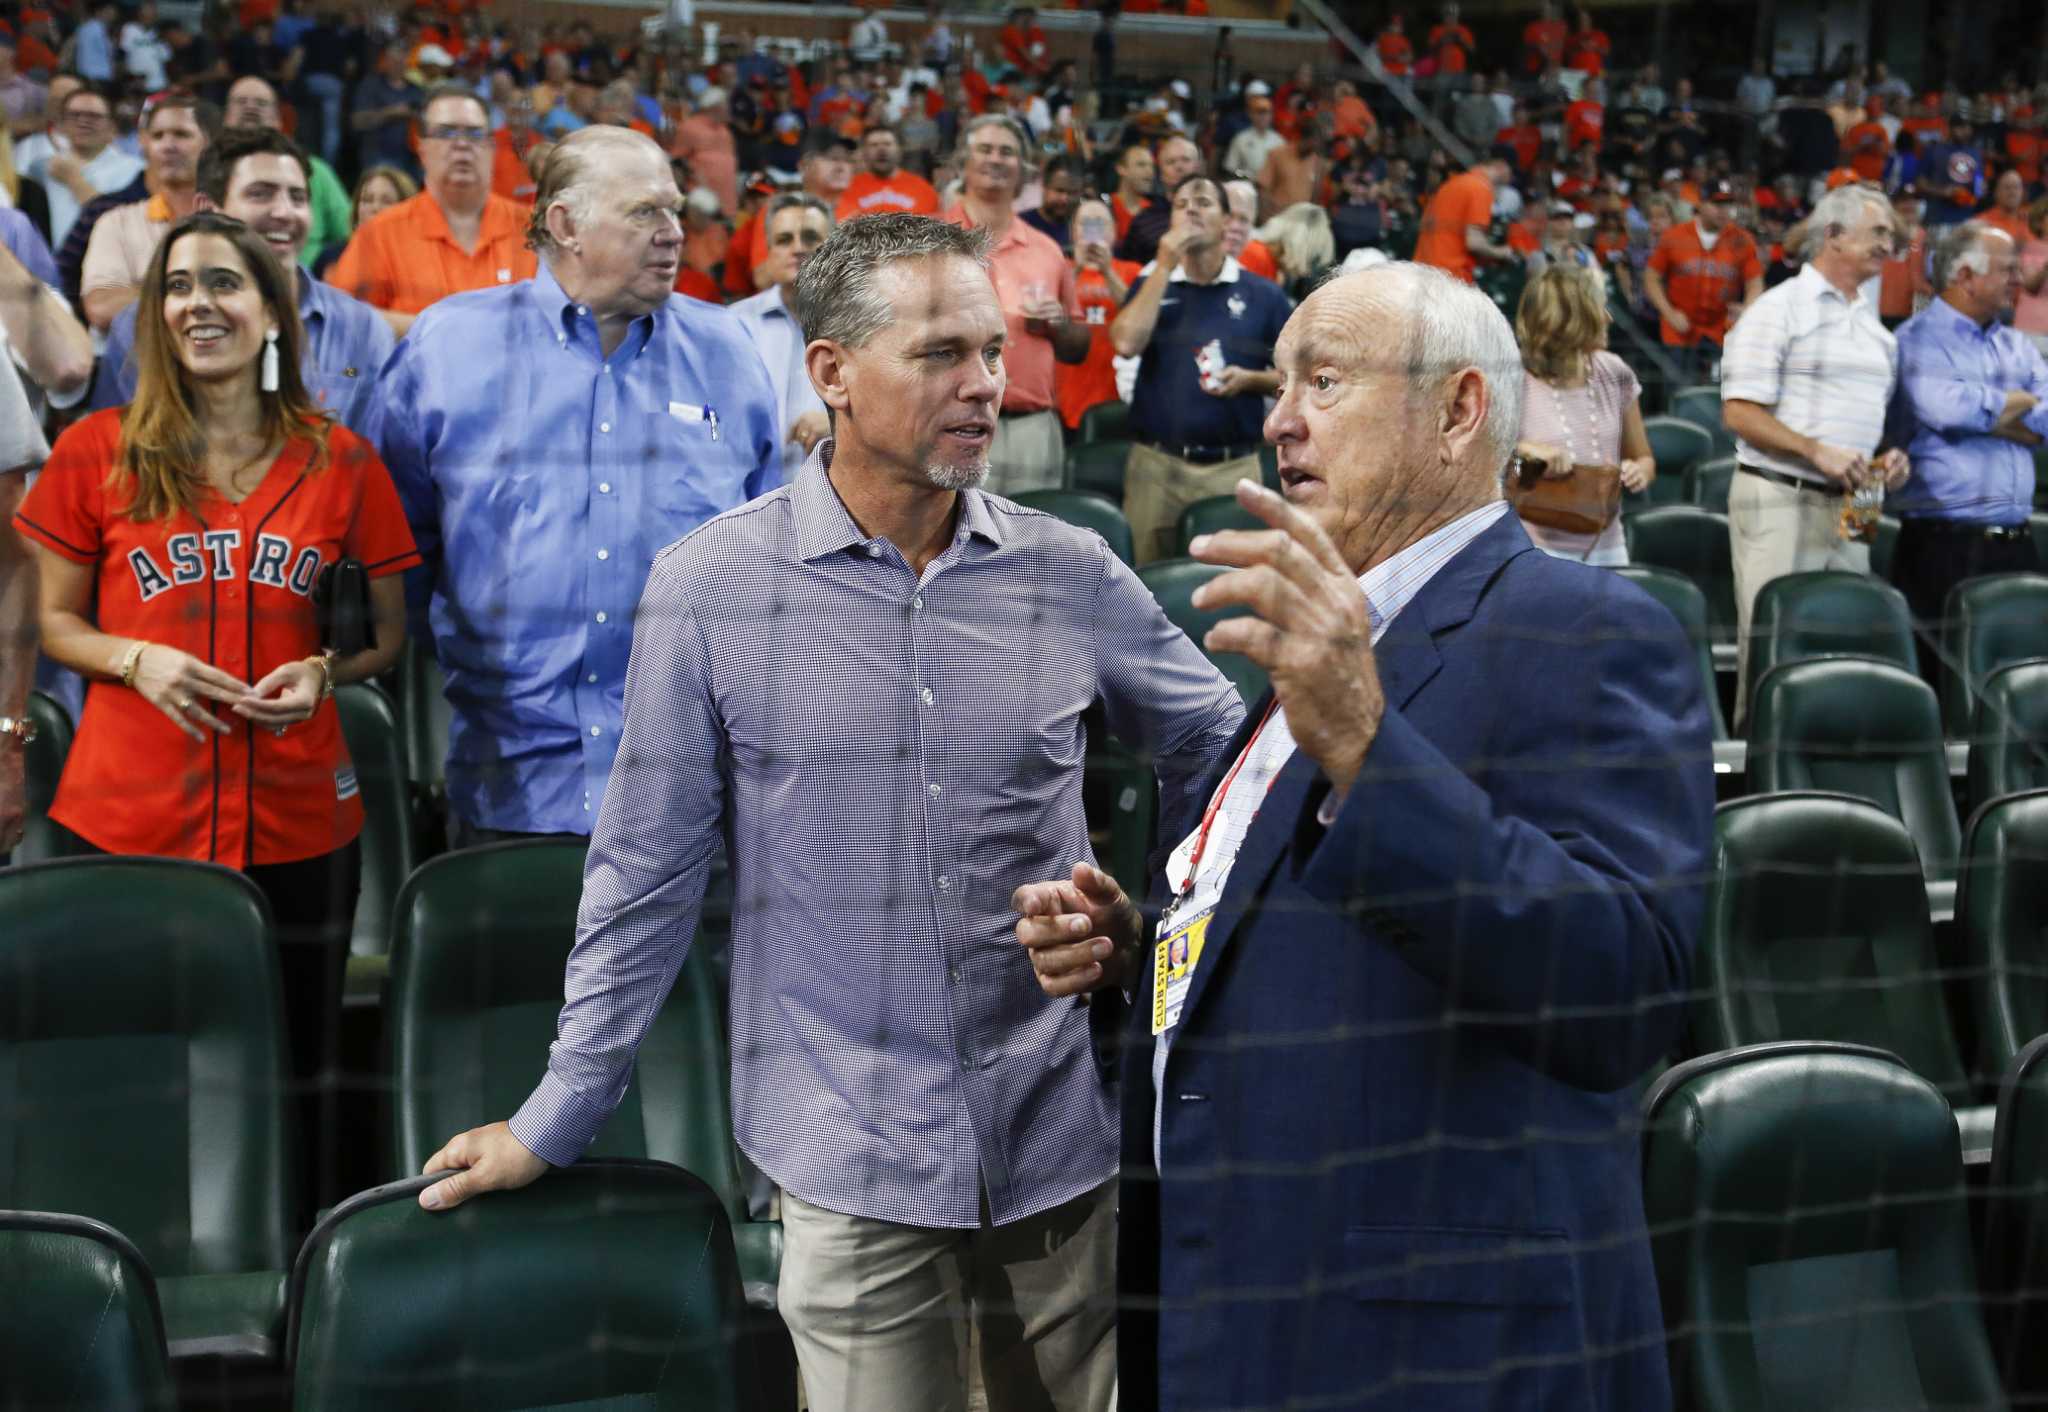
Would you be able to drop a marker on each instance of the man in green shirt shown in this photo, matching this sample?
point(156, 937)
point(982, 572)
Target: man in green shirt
point(252, 102)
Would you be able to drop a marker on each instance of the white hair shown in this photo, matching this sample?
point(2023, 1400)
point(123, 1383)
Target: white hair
point(1839, 211)
point(1241, 187)
point(1962, 248)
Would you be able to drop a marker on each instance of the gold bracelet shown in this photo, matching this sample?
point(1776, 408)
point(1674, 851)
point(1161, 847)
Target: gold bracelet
point(325, 662)
point(130, 661)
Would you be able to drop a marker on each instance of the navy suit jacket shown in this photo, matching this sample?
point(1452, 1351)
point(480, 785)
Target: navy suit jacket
point(1399, 1136)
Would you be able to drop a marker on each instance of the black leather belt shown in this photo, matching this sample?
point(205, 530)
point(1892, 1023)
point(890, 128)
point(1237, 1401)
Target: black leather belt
point(1209, 455)
point(1827, 488)
point(1925, 525)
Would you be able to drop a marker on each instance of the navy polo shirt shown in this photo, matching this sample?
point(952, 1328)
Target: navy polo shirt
point(1240, 310)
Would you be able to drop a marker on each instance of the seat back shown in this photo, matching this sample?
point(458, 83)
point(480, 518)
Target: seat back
point(1827, 613)
point(45, 838)
point(1679, 444)
point(2009, 742)
point(424, 713)
point(481, 939)
point(1098, 466)
point(1690, 541)
point(1687, 604)
point(2016, 1226)
point(1883, 547)
point(1710, 483)
point(1218, 512)
point(1107, 421)
point(1855, 726)
point(80, 1326)
point(1087, 509)
point(603, 1284)
point(1173, 583)
point(142, 1056)
point(1702, 407)
point(1810, 1234)
point(2002, 915)
point(369, 723)
point(1989, 623)
point(1817, 928)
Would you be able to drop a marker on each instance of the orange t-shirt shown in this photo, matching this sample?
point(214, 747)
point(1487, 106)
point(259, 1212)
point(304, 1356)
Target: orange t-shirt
point(1452, 45)
point(1352, 117)
point(1904, 277)
point(1702, 283)
point(1926, 129)
point(2014, 225)
point(698, 285)
point(2025, 149)
point(1583, 122)
point(1123, 215)
point(233, 586)
point(510, 177)
point(1544, 41)
point(1866, 147)
point(904, 194)
point(1526, 140)
point(1586, 50)
point(1396, 53)
point(1087, 384)
point(1021, 259)
point(1259, 260)
point(32, 56)
point(739, 254)
point(405, 258)
point(1463, 201)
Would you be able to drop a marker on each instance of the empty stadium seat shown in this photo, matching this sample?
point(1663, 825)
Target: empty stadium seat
point(1173, 583)
point(1218, 512)
point(80, 1326)
point(2009, 742)
point(1098, 466)
point(1810, 1235)
point(44, 766)
point(1817, 928)
point(2015, 1262)
point(1860, 727)
point(1702, 407)
point(1883, 547)
point(423, 713)
point(1690, 541)
point(1826, 613)
point(146, 1081)
point(602, 1285)
point(1687, 604)
point(2002, 916)
point(1989, 623)
point(1106, 421)
point(1710, 483)
point(369, 723)
point(1679, 445)
point(1087, 509)
point(479, 946)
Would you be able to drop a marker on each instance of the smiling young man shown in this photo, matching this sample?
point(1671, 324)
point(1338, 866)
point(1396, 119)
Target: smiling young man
point(258, 176)
point(124, 239)
point(872, 684)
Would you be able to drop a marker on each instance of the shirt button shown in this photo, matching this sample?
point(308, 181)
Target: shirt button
point(604, 487)
point(945, 884)
point(953, 974)
point(597, 730)
point(918, 602)
point(927, 694)
point(581, 309)
point(604, 553)
point(592, 678)
point(600, 615)
point(935, 790)
point(604, 426)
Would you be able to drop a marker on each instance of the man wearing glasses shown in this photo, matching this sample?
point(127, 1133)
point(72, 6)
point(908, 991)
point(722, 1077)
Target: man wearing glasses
point(453, 236)
point(83, 163)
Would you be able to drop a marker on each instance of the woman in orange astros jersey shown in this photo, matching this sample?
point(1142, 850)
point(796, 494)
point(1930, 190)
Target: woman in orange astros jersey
point(178, 542)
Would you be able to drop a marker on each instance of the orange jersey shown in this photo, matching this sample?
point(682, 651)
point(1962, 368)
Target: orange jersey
point(904, 194)
point(1866, 147)
point(2024, 148)
point(1583, 123)
point(698, 285)
point(1586, 50)
point(1463, 201)
point(739, 255)
point(1259, 260)
point(1079, 386)
point(232, 585)
point(1702, 283)
point(1543, 44)
point(405, 258)
point(510, 176)
point(1452, 46)
point(1397, 55)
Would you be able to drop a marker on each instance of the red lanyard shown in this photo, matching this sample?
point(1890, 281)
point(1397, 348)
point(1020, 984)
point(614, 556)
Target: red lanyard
point(1223, 792)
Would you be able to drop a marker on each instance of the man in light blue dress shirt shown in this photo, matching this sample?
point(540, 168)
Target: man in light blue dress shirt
point(1971, 408)
point(872, 684)
point(258, 176)
point(548, 438)
point(797, 224)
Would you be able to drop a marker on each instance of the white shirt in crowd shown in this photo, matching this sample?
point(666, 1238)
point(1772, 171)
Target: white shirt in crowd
point(1819, 361)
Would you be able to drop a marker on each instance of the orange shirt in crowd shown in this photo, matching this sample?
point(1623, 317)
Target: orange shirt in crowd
point(1587, 51)
point(1544, 42)
point(1463, 201)
point(1701, 283)
point(1351, 116)
point(1024, 264)
point(1583, 122)
point(698, 285)
point(1525, 237)
point(32, 56)
point(1259, 260)
point(2013, 224)
point(2024, 147)
point(1526, 140)
point(1025, 49)
point(1082, 385)
point(1904, 277)
point(510, 177)
point(739, 255)
point(904, 194)
point(404, 258)
point(1452, 47)
point(251, 13)
point(1123, 215)
point(1397, 55)
point(1866, 147)
point(1926, 129)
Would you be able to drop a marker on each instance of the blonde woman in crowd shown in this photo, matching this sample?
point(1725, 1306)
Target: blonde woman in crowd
point(1302, 245)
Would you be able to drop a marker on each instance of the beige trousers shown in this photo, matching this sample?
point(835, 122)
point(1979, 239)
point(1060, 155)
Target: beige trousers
point(1157, 487)
point(880, 1313)
point(1027, 453)
point(1774, 530)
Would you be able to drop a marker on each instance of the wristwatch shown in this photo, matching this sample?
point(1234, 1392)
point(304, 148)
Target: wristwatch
point(20, 728)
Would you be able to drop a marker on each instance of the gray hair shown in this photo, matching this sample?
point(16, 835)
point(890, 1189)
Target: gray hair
point(836, 294)
point(571, 174)
point(1240, 187)
point(795, 201)
point(1962, 248)
point(1839, 211)
point(1011, 126)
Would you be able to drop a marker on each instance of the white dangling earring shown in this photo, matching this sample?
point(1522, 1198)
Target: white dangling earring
point(269, 382)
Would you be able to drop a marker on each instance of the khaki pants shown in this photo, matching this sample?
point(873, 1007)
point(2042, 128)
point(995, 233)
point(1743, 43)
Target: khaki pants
point(1774, 530)
point(880, 1313)
point(1029, 452)
point(1157, 487)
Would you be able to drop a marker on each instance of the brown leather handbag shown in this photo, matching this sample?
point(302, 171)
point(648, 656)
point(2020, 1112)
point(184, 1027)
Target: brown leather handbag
point(1584, 502)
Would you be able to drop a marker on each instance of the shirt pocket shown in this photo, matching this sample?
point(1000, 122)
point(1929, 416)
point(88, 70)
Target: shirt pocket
point(695, 468)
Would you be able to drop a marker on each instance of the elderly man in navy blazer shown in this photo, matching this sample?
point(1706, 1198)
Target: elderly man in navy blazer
point(1396, 989)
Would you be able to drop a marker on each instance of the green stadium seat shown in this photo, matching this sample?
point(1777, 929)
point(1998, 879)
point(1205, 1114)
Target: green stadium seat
point(1989, 623)
point(480, 941)
point(1173, 583)
point(46, 838)
point(1826, 613)
point(1690, 541)
point(1817, 928)
point(1883, 547)
point(369, 723)
point(1679, 445)
point(80, 1326)
point(1687, 604)
point(2002, 918)
point(424, 714)
point(2009, 742)
point(1106, 421)
point(146, 1082)
point(1856, 726)
point(1702, 407)
point(1098, 466)
point(604, 1285)
point(2038, 523)
point(1218, 512)
point(1811, 1236)
point(1088, 509)
point(1710, 483)
point(2015, 1264)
